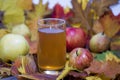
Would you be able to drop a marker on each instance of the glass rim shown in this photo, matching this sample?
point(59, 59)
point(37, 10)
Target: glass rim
point(62, 22)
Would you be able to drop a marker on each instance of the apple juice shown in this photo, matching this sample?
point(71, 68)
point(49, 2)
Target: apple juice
point(51, 49)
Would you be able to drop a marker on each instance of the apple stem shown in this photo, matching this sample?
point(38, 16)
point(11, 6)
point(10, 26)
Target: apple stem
point(77, 52)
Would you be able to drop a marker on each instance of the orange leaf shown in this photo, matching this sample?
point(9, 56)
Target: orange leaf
point(110, 25)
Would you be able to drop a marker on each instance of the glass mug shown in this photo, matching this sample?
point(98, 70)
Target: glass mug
point(52, 45)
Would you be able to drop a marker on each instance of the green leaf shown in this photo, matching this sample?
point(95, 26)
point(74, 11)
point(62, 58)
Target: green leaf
point(108, 55)
point(100, 56)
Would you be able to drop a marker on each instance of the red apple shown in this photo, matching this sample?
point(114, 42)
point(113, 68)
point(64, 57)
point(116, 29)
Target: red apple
point(80, 58)
point(75, 37)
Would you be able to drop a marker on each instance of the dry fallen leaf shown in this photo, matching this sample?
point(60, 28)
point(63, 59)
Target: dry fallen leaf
point(101, 6)
point(24, 65)
point(109, 68)
point(79, 15)
point(93, 11)
point(111, 26)
point(5, 69)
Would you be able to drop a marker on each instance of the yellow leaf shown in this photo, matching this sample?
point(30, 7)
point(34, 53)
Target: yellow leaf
point(32, 18)
point(76, 25)
point(25, 4)
point(66, 10)
point(40, 9)
point(79, 1)
point(110, 57)
point(32, 24)
point(21, 69)
point(84, 3)
point(93, 78)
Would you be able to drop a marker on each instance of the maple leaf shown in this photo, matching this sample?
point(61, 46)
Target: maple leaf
point(101, 6)
point(39, 11)
point(4, 72)
point(5, 69)
point(25, 4)
point(32, 24)
point(93, 11)
point(116, 17)
point(79, 15)
point(24, 65)
point(60, 12)
point(109, 68)
point(111, 26)
point(84, 3)
point(28, 65)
